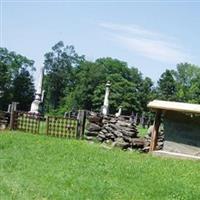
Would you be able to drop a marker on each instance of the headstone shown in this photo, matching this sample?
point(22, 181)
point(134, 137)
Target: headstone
point(105, 107)
point(142, 120)
point(38, 95)
point(136, 119)
point(132, 117)
point(119, 112)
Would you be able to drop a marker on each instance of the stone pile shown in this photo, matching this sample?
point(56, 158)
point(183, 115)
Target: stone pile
point(119, 132)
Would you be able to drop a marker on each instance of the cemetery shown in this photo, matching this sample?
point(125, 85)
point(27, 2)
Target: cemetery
point(115, 117)
point(89, 144)
point(117, 130)
point(180, 134)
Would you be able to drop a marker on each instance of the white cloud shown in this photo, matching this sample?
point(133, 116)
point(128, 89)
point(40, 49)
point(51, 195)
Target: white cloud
point(147, 43)
point(133, 29)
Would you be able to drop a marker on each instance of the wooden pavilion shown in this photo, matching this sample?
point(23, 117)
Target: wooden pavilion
point(181, 123)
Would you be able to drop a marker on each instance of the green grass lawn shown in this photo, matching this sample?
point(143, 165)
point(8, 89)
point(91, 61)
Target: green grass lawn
point(41, 167)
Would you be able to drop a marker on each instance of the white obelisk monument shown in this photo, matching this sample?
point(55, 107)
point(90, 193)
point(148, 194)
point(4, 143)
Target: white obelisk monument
point(106, 99)
point(38, 95)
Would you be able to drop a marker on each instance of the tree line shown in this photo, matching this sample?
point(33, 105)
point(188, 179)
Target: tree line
point(16, 81)
point(71, 82)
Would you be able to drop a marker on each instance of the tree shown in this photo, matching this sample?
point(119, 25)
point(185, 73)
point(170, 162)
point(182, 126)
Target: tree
point(59, 79)
point(5, 85)
point(10, 66)
point(89, 89)
point(23, 90)
point(145, 93)
point(187, 77)
point(15, 61)
point(167, 86)
point(182, 84)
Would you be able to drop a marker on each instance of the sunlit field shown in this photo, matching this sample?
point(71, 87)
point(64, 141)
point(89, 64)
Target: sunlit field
point(42, 167)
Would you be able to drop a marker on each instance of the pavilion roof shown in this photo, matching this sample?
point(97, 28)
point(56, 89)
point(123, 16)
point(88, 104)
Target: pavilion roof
point(174, 106)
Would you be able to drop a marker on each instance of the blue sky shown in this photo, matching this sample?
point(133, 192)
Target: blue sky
point(151, 36)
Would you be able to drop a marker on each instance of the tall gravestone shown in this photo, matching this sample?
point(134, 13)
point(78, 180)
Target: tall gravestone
point(105, 107)
point(38, 95)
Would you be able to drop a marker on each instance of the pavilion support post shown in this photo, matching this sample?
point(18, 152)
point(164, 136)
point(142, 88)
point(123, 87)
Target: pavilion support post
point(154, 135)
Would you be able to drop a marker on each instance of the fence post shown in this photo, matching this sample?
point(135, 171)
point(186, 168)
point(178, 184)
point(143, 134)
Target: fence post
point(38, 123)
point(81, 123)
point(13, 114)
point(47, 125)
point(12, 119)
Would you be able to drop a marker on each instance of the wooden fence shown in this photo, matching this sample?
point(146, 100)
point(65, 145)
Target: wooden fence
point(25, 121)
point(4, 120)
point(52, 126)
point(66, 127)
point(61, 127)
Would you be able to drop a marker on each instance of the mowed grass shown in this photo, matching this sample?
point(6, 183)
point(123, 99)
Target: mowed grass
point(41, 167)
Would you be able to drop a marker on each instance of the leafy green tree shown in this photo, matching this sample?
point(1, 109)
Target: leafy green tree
point(10, 66)
point(187, 78)
point(167, 86)
point(59, 80)
point(146, 93)
point(23, 90)
point(195, 90)
point(126, 87)
point(181, 84)
point(15, 61)
point(5, 85)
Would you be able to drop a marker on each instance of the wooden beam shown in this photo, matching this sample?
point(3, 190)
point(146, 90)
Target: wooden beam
point(12, 116)
point(154, 135)
point(81, 123)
